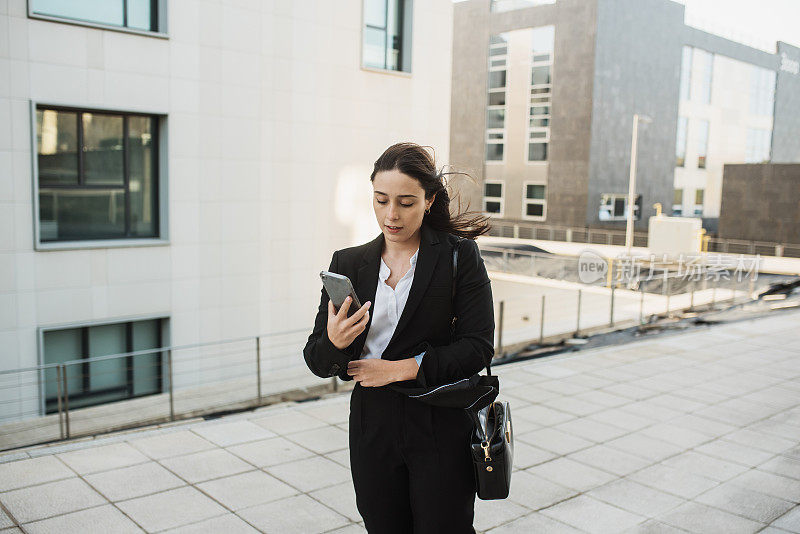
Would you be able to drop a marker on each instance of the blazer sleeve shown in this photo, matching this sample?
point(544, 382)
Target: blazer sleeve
point(321, 355)
point(472, 346)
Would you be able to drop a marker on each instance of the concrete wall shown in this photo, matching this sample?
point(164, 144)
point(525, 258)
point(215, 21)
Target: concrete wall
point(761, 203)
point(786, 132)
point(637, 70)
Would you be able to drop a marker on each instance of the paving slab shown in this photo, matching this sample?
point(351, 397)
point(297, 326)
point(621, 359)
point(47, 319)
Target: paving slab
point(693, 431)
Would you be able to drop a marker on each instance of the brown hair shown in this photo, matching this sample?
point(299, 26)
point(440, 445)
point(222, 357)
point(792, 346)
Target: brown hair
point(413, 160)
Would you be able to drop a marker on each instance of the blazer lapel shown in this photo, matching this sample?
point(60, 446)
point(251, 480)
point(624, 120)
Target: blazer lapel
point(367, 281)
point(426, 261)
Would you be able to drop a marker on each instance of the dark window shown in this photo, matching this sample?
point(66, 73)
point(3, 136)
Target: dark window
point(537, 151)
point(534, 191)
point(494, 151)
point(98, 175)
point(492, 206)
point(493, 190)
point(136, 14)
point(534, 210)
point(97, 382)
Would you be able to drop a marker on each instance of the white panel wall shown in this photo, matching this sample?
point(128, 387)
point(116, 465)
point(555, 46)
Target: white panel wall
point(273, 131)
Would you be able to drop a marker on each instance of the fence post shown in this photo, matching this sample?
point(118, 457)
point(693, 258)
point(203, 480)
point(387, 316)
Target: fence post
point(516, 231)
point(641, 302)
point(691, 298)
point(611, 314)
point(779, 250)
point(171, 394)
point(500, 329)
point(569, 234)
point(66, 398)
point(541, 324)
point(258, 367)
point(60, 413)
point(578, 319)
point(667, 296)
point(714, 293)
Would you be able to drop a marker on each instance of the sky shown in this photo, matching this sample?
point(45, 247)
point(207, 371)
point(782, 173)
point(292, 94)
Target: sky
point(758, 23)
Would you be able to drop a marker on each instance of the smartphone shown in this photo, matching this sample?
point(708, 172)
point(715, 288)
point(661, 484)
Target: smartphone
point(339, 288)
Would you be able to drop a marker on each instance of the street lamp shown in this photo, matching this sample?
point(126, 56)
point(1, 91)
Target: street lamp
point(632, 182)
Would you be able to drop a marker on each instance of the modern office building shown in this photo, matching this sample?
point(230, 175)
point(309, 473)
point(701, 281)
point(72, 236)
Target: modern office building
point(544, 93)
point(179, 172)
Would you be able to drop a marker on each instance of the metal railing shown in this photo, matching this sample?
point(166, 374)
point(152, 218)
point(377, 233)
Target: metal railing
point(597, 236)
point(89, 396)
point(552, 303)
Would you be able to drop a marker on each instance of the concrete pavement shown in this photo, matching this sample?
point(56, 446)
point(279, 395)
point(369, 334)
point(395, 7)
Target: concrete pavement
point(695, 431)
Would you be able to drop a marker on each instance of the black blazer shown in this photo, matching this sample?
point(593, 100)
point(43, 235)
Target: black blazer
point(424, 324)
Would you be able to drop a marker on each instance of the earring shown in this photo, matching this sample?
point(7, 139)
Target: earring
point(427, 210)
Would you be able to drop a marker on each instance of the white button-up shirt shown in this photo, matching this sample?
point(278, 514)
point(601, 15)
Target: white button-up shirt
point(386, 310)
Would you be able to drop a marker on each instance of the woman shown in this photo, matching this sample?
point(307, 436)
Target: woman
point(410, 461)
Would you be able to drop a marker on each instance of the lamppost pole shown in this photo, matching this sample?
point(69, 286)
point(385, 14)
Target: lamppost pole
point(632, 180)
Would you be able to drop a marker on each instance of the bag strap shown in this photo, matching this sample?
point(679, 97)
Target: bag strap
point(453, 296)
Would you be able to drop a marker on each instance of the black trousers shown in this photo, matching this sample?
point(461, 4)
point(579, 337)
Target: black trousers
point(410, 464)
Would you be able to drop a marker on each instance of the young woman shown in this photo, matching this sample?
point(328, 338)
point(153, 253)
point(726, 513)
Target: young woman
point(410, 461)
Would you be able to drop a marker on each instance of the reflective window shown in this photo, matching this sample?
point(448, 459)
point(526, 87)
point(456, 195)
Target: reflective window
point(534, 202)
point(698, 202)
point(758, 145)
point(762, 91)
point(137, 14)
point(496, 98)
point(702, 143)
point(98, 175)
point(387, 34)
point(90, 383)
point(680, 143)
point(686, 72)
point(542, 42)
point(493, 197)
point(705, 68)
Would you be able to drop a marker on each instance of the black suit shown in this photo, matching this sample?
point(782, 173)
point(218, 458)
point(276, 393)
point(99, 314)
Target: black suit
point(410, 461)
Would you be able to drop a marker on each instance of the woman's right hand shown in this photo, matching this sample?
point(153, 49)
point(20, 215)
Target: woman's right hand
point(342, 330)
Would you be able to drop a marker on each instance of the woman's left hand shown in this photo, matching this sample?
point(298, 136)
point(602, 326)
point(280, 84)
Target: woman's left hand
point(376, 372)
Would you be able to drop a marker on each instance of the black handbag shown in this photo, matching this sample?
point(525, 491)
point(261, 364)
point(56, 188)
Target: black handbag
point(492, 441)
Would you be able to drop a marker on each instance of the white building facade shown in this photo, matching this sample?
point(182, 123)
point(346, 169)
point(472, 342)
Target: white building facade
point(180, 173)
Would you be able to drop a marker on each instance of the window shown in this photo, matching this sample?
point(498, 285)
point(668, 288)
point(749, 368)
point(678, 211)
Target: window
point(613, 207)
point(677, 202)
point(757, 148)
point(686, 72)
point(680, 143)
point(540, 92)
point(97, 175)
point(702, 143)
point(706, 67)
point(493, 202)
point(698, 201)
point(498, 6)
point(133, 14)
point(496, 98)
point(762, 91)
point(534, 202)
point(387, 35)
point(114, 379)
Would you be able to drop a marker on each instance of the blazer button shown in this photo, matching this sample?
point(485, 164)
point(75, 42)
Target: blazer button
point(334, 369)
